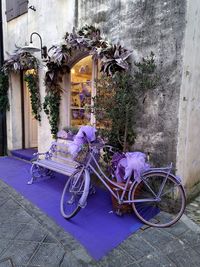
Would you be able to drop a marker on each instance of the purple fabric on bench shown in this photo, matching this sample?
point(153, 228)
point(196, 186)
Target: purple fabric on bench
point(95, 227)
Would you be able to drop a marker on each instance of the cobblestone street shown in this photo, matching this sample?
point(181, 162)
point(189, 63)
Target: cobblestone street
point(28, 238)
point(99, 133)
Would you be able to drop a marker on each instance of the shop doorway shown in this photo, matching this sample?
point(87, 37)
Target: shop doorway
point(30, 123)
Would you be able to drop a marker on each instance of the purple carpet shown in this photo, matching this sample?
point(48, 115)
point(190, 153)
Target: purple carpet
point(95, 227)
point(26, 154)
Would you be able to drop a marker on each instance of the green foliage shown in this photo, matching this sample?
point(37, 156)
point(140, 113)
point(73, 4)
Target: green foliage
point(145, 77)
point(52, 99)
point(4, 85)
point(33, 86)
point(117, 101)
point(51, 108)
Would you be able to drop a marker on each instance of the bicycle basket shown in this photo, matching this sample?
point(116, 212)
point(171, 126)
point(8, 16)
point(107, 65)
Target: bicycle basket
point(83, 154)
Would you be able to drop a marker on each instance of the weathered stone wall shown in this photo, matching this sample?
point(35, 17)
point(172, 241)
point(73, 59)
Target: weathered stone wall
point(188, 149)
point(146, 26)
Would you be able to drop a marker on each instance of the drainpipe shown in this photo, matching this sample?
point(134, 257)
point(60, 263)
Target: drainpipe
point(3, 135)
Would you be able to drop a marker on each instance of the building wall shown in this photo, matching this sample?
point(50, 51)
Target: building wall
point(146, 26)
point(188, 149)
point(164, 128)
point(51, 20)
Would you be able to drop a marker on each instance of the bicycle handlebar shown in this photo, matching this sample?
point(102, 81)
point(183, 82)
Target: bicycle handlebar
point(99, 145)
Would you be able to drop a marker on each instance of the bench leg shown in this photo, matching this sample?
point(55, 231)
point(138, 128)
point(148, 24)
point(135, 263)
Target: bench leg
point(38, 172)
point(31, 181)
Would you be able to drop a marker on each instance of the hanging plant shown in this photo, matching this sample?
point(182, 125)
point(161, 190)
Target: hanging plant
point(23, 61)
point(33, 85)
point(88, 38)
point(20, 60)
point(4, 84)
point(60, 55)
point(114, 59)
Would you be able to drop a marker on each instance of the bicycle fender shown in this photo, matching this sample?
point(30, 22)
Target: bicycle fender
point(83, 199)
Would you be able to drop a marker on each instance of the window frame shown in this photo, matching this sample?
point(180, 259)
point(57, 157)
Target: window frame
point(15, 8)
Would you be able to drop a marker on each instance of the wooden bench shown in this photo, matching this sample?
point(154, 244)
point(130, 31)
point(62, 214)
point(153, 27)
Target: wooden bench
point(57, 159)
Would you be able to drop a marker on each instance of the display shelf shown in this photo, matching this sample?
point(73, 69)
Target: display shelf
point(75, 107)
point(80, 100)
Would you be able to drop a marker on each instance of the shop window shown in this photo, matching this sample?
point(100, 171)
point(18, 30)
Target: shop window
point(15, 8)
point(83, 76)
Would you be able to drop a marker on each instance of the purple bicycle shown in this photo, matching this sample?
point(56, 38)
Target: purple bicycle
point(157, 198)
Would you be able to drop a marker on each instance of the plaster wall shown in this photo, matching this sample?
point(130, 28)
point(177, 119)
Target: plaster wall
point(188, 149)
point(51, 20)
point(146, 26)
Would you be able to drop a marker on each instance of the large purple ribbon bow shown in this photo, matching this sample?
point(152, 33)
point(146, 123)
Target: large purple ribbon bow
point(133, 163)
point(84, 132)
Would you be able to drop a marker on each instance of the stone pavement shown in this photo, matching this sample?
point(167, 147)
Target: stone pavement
point(193, 210)
point(29, 238)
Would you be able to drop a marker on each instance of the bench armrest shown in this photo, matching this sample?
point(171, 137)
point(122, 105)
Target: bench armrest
point(37, 155)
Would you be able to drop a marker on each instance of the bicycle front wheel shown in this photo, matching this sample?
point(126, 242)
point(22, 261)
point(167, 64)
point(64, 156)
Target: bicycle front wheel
point(71, 195)
point(156, 211)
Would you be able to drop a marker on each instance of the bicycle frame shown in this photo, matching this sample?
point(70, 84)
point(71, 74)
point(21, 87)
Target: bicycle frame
point(155, 180)
point(106, 181)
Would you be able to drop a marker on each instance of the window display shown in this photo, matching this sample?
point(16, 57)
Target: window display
point(80, 103)
point(81, 92)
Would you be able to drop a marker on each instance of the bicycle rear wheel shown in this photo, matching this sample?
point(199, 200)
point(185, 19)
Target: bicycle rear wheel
point(71, 195)
point(164, 211)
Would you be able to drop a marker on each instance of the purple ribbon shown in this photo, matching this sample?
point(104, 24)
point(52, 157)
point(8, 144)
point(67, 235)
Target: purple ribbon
point(80, 140)
point(132, 163)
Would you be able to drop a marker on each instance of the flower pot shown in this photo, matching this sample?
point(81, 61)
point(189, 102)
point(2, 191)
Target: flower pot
point(120, 209)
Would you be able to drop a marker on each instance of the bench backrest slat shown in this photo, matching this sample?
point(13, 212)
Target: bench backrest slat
point(56, 143)
point(59, 152)
point(66, 160)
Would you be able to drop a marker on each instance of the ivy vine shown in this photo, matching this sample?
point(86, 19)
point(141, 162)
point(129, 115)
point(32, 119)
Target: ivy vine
point(51, 108)
point(33, 85)
point(4, 84)
point(52, 99)
point(23, 61)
